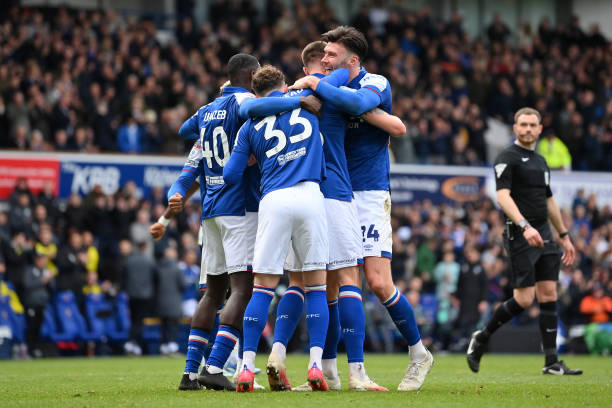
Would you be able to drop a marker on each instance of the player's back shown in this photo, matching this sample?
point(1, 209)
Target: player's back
point(218, 124)
point(288, 149)
point(366, 145)
point(332, 125)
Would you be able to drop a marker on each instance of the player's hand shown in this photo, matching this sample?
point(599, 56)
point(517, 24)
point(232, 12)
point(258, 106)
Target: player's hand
point(157, 231)
point(312, 104)
point(482, 306)
point(176, 203)
point(252, 161)
point(305, 83)
point(569, 253)
point(533, 237)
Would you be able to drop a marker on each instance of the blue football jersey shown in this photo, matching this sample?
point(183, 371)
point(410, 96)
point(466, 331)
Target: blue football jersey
point(366, 146)
point(337, 185)
point(288, 148)
point(217, 125)
point(333, 124)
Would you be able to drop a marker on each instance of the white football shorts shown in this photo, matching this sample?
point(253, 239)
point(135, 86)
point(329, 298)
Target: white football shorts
point(228, 243)
point(344, 237)
point(374, 211)
point(293, 216)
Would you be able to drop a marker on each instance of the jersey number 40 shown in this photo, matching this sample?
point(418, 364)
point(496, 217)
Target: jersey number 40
point(218, 133)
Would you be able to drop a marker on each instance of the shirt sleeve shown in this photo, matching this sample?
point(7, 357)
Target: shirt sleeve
point(261, 107)
point(338, 77)
point(190, 171)
point(189, 129)
point(352, 102)
point(547, 182)
point(503, 172)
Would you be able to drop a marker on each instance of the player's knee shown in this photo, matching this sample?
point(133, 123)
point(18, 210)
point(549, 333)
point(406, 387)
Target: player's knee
point(547, 295)
point(524, 299)
point(380, 286)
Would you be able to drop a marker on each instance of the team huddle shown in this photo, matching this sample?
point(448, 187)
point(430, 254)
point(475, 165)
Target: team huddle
point(294, 179)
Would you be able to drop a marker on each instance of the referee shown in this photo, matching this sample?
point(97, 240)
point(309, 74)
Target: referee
point(523, 192)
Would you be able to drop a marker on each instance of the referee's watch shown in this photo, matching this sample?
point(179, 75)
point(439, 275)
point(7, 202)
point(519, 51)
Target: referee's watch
point(524, 225)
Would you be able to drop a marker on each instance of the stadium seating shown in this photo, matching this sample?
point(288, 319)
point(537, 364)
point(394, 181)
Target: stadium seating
point(117, 328)
point(6, 330)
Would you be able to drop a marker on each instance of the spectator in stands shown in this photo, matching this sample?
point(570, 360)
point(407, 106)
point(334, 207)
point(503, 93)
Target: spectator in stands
point(38, 282)
point(597, 305)
point(93, 256)
point(498, 31)
point(46, 246)
point(74, 216)
point(71, 264)
point(139, 231)
point(191, 274)
point(21, 215)
point(138, 283)
point(17, 255)
point(131, 136)
point(169, 298)
point(554, 151)
point(445, 276)
point(472, 292)
point(433, 66)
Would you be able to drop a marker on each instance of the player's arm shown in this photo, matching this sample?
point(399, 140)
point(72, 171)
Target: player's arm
point(554, 215)
point(266, 106)
point(354, 103)
point(189, 128)
point(338, 77)
point(158, 229)
point(389, 123)
point(239, 160)
point(262, 107)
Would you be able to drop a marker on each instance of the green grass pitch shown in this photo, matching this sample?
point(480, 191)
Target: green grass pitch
point(504, 381)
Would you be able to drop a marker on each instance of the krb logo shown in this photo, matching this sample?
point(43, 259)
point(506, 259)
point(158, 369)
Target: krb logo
point(85, 178)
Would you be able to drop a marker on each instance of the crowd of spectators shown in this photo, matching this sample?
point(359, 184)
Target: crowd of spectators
point(448, 260)
point(99, 81)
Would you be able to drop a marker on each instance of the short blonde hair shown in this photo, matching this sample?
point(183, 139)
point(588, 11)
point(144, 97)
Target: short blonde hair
point(527, 111)
point(226, 83)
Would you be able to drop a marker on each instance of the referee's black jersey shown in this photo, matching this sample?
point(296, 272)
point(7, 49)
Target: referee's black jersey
point(525, 173)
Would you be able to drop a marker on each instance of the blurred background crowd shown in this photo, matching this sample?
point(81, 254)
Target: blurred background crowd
point(448, 260)
point(98, 81)
point(76, 80)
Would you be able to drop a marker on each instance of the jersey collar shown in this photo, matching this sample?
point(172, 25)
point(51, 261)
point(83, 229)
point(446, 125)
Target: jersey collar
point(523, 149)
point(276, 93)
point(228, 90)
point(355, 81)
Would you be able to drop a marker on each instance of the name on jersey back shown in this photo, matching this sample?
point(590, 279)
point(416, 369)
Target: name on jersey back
point(216, 114)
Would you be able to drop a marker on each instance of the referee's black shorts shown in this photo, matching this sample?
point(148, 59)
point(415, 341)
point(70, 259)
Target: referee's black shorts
point(528, 264)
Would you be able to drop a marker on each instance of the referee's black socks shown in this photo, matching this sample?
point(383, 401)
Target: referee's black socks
point(502, 314)
point(548, 328)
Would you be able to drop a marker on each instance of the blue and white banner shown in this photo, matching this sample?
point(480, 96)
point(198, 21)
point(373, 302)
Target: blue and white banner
point(436, 183)
point(79, 173)
point(81, 177)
